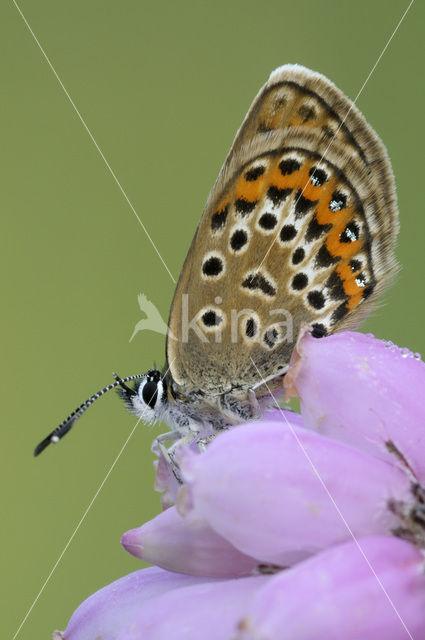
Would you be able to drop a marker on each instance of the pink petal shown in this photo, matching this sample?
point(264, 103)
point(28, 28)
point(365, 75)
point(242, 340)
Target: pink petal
point(256, 487)
point(336, 595)
point(105, 612)
point(186, 545)
point(201, 612)
point(363, 391)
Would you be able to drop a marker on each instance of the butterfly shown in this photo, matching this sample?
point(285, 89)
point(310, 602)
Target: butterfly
point(300, 227)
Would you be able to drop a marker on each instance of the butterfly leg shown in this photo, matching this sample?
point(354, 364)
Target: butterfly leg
point(164, 437)
point(255, 405)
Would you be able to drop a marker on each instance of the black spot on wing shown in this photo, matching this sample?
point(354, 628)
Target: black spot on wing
point(316, 299)
point(299, 281)
point(288, 166)
point(258, 281)
point(336, 287)
point(303, 205)
point(211, 319)
point(318, 330)
point(250, 328)
point(267, 221)
point(212, 266)
point(298, 255)
point(339, 313)
point(315, 229)
point(355, 265)
point(239, 239)
point(245, 207)
point(350, 233)
point(254, 173)
point(218, 219)
point(324, 258)
point(277, 196)
point(338, 201)
point(317, 176)
point(288, 233)
point(270, 337)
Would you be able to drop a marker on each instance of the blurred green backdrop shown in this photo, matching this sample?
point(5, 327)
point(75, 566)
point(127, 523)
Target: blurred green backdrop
point(163, 87)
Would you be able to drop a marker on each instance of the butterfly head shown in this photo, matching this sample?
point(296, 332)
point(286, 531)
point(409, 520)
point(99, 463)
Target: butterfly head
point(149, 396)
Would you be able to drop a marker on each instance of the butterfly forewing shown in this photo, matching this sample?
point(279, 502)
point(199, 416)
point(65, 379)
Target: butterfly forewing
point(299, 227)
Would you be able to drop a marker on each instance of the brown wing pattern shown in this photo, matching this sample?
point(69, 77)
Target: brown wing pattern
point(299, 227)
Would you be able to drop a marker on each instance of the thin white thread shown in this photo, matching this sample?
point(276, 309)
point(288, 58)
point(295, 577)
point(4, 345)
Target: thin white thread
point(322, 482)
point(346, 116)
point(75, 531)
point(93, 140)
point(82, 518)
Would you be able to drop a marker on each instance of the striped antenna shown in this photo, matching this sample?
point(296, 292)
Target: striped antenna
point(65, 426)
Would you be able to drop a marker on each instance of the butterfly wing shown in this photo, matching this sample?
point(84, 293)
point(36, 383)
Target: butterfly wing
point(299, 227)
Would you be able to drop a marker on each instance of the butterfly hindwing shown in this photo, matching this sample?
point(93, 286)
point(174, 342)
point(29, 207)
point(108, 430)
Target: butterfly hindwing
point(299, 227)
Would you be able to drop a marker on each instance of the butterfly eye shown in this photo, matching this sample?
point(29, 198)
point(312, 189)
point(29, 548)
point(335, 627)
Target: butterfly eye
point(150, 393)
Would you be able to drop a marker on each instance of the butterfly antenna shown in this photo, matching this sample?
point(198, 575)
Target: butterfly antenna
point(65, 426)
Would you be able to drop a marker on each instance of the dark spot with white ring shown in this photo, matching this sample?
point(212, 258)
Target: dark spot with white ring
point(212, 266)
point(299, 281)
point(254, 173)
point(239, 239)
point(268, 221)
point(288, 233)
point(318, 330)
point(316, 299)
point(298, 255)
point(250, 328)
point(211, 318)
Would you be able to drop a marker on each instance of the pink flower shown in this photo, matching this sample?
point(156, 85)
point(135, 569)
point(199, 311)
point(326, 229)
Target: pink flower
point(322, 495)
point(106, 612)
point(365, 392)
point(342, 594)
point(280, 493)
point(187, 545)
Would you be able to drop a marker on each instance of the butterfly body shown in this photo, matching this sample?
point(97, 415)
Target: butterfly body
point(299, 228)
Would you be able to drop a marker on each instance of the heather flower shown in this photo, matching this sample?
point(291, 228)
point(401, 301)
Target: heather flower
point(363, 391)
point(307, 507)
point(280, 493)
point(187, 545)
point(342, 594)
point(106, 612)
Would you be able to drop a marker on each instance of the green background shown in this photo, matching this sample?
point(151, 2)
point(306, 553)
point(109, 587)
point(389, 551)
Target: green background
point(163, 87)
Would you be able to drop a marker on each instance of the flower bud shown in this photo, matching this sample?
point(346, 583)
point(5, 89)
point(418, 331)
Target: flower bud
point(186, 545)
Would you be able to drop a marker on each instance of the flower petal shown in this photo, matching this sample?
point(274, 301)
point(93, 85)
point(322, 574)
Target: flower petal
point(367, 393)
point(281, 494)
point(105, 612)
point(204, 611)
point(337, 594)
point(186, 545)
